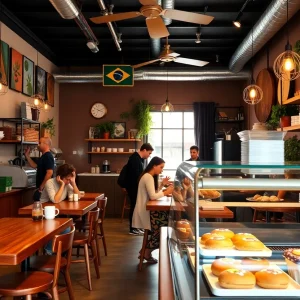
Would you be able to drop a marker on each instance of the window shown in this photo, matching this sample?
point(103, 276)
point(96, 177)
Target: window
point(172, 135)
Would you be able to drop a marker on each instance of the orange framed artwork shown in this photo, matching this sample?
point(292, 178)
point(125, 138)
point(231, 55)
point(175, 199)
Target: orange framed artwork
point(50, 89)
point(16, 70)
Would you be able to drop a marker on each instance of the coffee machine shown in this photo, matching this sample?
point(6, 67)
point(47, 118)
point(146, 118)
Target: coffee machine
point(106, 166)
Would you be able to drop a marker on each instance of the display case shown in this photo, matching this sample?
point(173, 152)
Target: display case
point(207, 186)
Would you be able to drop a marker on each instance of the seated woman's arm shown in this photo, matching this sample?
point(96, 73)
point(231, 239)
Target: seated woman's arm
point(153, 195)
point(54, 194)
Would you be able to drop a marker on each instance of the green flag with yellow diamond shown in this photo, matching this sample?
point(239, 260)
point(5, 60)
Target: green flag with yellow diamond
point(117, 75)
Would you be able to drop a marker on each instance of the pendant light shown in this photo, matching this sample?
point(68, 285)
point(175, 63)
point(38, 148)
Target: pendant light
point(3, 79)
point(167, 106)
point(252, 93)
point(287, 64)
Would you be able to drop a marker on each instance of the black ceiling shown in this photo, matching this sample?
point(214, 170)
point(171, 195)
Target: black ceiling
point(63, 42)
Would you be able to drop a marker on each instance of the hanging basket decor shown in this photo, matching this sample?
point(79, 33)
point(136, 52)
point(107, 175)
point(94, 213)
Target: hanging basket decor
point(252, 94)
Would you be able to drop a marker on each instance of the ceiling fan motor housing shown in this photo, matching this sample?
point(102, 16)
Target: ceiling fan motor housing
point(151, 11)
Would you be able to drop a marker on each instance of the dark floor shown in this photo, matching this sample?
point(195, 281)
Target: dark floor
point(119, 276)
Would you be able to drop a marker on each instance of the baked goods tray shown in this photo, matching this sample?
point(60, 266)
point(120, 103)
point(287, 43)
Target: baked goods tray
point(266, 252)
point(293, 288)
point(251, 199)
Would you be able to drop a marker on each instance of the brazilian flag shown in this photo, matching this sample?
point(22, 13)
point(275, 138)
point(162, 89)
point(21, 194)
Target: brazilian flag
point(117, 75)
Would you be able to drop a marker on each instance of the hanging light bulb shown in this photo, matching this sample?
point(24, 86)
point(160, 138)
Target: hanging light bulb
point(36, 101)
point(167, 106)
point(46, 107)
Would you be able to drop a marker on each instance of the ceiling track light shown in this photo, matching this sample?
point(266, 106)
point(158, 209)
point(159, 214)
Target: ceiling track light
point(217, 58)
point(237, 22)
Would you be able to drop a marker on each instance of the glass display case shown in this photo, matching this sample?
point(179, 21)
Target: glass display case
point(200, 233)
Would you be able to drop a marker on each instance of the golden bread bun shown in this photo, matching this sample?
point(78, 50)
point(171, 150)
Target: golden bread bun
point(183, 224)
point(265, 198)
point(249, 244)
point(219, 242)
point(240, 235)
point(272, 279)
point(256, 196)
point(224, 232)
point(209, 194)
point(183, 233)
point(207, 236)
point(254, 264)
point(222, 264)
point(236, 279)
point(274, 198)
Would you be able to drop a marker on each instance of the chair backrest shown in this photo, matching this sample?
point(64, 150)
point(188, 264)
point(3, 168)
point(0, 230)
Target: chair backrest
point(62, 243)
point(93, 216)
point(102, 206)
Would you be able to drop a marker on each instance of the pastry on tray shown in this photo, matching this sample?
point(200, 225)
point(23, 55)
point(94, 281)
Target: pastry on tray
point(207, 236)
point(292, 259)
point(236, 279)
point(218, 242)
point(224, 232)
point(221, 264)
point(240, 235)
point(254, 264)
point(249, 244)
point(208, 194)
point(272, 279)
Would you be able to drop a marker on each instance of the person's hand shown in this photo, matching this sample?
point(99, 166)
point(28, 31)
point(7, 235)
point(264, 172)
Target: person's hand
point(166, 180)
point(27, 151)
point(169, 189)
point(59, 180)
point(186, 183)
point(73, 178)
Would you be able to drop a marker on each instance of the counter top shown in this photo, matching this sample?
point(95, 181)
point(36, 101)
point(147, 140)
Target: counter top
point(14, 191)
point(100, 174)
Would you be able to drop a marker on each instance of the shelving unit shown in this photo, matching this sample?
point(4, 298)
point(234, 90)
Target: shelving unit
point(290, 128)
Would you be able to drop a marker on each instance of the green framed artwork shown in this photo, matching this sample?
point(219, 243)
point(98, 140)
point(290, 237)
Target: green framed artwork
point(16, 70)
point(4, 62)
point(50, 89)
point(28, 76)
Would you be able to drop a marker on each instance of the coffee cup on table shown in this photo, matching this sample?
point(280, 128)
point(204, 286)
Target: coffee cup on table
point(75, 197)
point(49, 212)
point(70, 197)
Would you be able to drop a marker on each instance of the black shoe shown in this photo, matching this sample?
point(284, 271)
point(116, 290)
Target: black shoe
point(134, 232)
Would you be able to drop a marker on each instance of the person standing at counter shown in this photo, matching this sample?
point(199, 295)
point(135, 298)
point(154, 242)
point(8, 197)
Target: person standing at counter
point(194, 152)
point(44, 166)
point(148, 189)
point(134, 169)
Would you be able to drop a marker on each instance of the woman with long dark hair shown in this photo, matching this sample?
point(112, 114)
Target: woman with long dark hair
point(150, 190)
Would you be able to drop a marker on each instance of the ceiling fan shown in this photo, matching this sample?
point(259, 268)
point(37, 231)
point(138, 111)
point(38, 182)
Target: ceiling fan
point(168, 55)
point(153, 12)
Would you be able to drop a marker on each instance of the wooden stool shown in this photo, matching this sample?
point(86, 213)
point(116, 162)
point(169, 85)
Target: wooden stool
point(145, 241)
point(126, 206)
point(275, 209)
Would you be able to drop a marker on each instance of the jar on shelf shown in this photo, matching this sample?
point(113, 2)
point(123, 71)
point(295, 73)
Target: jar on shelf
point(97, 169)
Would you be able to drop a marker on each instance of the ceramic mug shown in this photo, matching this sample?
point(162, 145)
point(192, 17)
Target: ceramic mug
point(49, 212)
point(114, 149)
point(108, 149)
point(120, 149)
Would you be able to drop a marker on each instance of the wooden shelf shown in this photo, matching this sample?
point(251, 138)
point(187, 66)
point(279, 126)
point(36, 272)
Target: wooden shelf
point(110, 152)
point(290, 128)
point(17, 142)
point(294, 100)
point(112, 140)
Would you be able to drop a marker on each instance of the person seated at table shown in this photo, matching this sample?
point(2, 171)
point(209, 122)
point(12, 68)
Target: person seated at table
point(148, 189)
point(59, 188)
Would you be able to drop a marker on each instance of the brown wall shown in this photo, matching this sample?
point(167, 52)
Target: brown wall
point(77, 99)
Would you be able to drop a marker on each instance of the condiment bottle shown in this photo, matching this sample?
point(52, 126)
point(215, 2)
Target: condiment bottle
point(37, 211)
point(97, 169)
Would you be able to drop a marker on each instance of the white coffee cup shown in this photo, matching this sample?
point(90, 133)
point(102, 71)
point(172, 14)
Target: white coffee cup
point(120, 149)
point(75, 197)
point(114, 149)
point(108, 149)
point(70, 196)
point(49, 212)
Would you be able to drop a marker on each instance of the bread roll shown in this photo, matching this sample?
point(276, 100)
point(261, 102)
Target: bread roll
point(218, 242)
point(236, 279)
point(254, 264)
point(249, 244)
point(207, 236)
point(265, 198)
point(256, 196)
point(274, 198)
point(240, 235)
point(224, 232)
point(272, 279)
point(222, 264)
point(183, 233)
point(183, 224)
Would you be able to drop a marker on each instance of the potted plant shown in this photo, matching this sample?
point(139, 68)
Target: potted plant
point(48, 128)
point(106, 129)
point(140, 111)
point(292, 149)
point(297, 47)
point(281, 115)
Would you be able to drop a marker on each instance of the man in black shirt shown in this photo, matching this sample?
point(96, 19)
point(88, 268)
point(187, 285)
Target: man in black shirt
point(45, 165)
point(194, 152)
point(135, 168)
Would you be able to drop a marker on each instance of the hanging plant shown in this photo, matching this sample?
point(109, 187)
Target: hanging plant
point(140, 111)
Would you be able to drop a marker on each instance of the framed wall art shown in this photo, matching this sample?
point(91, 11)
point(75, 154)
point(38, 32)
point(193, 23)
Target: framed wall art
point(28, 76)
point(119, 130)
point(16, 70)
point(4, 57)
point(40, 81)
point(50, 89)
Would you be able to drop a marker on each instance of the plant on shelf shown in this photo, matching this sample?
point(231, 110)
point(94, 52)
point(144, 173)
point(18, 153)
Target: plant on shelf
point(140, 111)
point(279, 112)
point(106, 129)
point(48, 128)
point(297, 47)
point(292, 149)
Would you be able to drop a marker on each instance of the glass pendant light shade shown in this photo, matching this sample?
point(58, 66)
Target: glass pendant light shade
point(36, 101)
point(167, 107)
point(3, 88)
point(252, 94)
point(46, 107)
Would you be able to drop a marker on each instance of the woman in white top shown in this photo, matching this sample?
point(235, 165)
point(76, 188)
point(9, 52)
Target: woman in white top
point(57, 189)
point(149, 190)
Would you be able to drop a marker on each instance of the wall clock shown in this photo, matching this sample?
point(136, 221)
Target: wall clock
point(98, 110)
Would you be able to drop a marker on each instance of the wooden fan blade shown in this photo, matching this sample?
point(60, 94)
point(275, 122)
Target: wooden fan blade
point(148, 2)
point(193, 62)
point(186, 16)
point(115, 17)
point(145, 63)
point(157, 28)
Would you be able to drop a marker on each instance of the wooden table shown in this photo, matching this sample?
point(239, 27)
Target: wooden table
point(78, 208)
point(92, 196)
point(21, 237)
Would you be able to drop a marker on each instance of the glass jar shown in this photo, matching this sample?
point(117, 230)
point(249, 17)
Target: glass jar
point(97, 169)
point(37, 211)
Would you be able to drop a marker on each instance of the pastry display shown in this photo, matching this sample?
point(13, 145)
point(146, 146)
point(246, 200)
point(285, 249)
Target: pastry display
point(240, 235)
point(236, 279)
point(209, 194)
point(183, 233)
point(207, 236)
point(183, 224)
point(272, 279)
point(249, 244)
point(224, 232)
point(292, 259)
point(219, 242)
point(222, 264)
point(261, 198)
point(254, 264)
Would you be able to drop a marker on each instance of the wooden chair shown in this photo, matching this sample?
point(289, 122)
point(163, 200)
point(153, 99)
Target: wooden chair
point(126, 206)
point(88, 241)
point(267, 210)
point(61, 244)
point(33, 282)
point(142, 254)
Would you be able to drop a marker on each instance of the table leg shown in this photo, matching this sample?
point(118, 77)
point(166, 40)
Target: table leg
point(25, 264)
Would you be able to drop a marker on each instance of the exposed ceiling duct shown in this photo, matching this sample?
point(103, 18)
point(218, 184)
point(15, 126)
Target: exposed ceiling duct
point(154, 74)
point(266, 27)
point(69, 10)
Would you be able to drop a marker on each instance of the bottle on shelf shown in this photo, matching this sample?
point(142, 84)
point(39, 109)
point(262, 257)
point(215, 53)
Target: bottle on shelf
point(97, 169)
